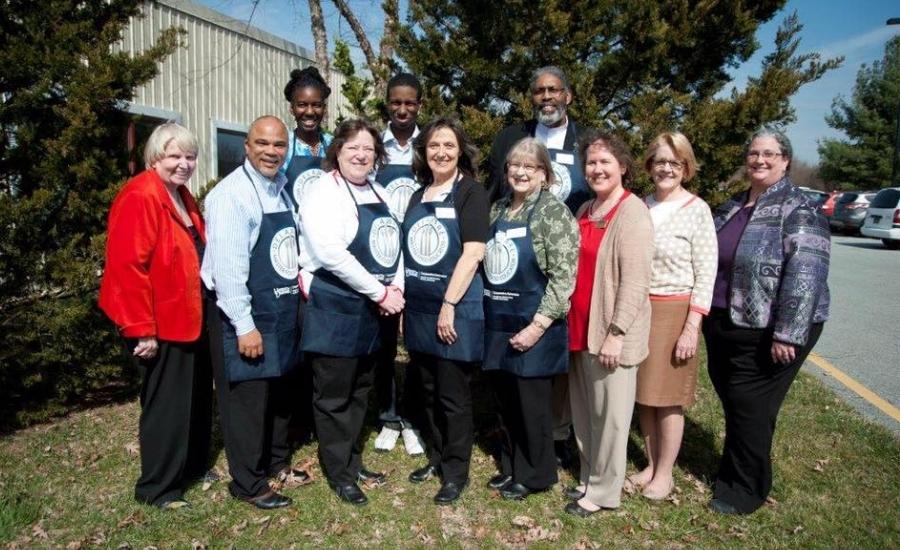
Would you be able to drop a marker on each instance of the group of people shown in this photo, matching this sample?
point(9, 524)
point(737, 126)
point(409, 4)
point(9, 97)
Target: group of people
point(577, 298)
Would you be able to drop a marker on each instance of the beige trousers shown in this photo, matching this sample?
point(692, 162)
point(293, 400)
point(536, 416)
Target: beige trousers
point(602, 404)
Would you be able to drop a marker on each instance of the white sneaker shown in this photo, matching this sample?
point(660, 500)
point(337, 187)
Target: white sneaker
point(413, 442)
point(386, 440)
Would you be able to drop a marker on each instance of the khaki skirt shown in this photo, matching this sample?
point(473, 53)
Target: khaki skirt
point(663, 381)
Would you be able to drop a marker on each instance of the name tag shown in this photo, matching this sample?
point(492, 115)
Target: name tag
point(565, 158)
point(445, 213)
point(516, 232)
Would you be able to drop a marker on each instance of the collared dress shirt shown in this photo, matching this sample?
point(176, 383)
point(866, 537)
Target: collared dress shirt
point(233, 216)
point(395, 153)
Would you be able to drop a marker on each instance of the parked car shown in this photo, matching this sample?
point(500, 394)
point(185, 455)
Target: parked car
point(828, 205)
point(817, 198)
point(883, 218)
point(850, 211)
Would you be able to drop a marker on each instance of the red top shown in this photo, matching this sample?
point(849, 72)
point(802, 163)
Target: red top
point(591, 238)
point(151, 282)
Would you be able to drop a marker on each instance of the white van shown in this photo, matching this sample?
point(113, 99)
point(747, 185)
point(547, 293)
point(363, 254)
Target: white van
point(883, 218)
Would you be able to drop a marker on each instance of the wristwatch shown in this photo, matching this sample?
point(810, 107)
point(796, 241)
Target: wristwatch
point(615, 330)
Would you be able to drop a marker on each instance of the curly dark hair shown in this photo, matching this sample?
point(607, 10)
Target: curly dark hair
point(612, 143)
point(405, 79)
point(305, 78)
point(347, 131)
point(468, 153)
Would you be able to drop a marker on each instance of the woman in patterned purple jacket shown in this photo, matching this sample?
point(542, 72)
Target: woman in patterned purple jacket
point(770, 301)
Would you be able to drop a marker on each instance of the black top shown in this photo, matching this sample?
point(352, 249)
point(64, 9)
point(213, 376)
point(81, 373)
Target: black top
point(198, 242)
point(503, 143)
point(472, 209)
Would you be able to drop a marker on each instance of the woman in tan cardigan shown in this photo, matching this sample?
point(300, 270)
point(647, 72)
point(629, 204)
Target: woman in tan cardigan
point(609, 321)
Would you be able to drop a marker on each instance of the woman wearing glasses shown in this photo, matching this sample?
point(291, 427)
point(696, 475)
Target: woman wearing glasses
point(770, 300)
point(529, 275)
point(682, 275)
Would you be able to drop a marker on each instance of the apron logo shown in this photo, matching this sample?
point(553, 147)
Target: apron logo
point(428, 241)
point(304, 179)
point(384, 241)
point(283, 253)
point(562, 185)
point(399, 192)
point(501, 260)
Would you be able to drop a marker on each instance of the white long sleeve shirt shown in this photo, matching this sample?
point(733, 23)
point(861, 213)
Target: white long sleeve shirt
point(233, 214)
point(328, 224)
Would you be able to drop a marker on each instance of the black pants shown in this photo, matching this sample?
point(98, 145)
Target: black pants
point(254, 415)
point(526, 409)
point(752, 388)
point(176, 418)
point(340, 397)
point(385, 379)
point(447, 403)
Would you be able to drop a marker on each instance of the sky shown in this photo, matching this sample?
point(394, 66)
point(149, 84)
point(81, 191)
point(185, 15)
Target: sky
point(855, 30)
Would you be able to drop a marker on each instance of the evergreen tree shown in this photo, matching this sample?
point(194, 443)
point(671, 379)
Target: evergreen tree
point(62, 88)
point(639, 67)
point(864, 160)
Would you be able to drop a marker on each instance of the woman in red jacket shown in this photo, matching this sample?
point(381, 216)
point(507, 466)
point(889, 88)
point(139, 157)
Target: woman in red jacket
point(151, 290)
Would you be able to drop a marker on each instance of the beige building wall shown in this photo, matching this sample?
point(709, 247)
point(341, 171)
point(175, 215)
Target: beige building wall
point(227, 75)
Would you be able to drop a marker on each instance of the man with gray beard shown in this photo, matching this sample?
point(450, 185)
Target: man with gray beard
point(551, 96)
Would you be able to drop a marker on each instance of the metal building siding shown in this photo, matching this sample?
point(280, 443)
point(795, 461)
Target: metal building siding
point(223, 75)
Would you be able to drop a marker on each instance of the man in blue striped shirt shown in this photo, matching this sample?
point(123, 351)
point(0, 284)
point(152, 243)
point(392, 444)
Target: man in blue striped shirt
point(250, 269)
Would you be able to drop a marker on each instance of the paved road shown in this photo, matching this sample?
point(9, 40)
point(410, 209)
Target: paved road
point(862, 336)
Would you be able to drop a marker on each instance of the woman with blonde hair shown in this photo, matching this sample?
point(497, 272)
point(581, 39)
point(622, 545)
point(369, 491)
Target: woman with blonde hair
point(683, 272)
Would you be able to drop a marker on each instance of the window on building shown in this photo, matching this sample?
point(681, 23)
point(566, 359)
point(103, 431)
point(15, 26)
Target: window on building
point(229, 150)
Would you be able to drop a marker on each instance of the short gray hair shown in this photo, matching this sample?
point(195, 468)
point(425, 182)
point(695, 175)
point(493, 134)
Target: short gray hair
point(768, 130)
point(162, 136)
point(552, 70)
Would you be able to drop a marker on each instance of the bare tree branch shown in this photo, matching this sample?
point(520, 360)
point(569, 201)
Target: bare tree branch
point(358, 30)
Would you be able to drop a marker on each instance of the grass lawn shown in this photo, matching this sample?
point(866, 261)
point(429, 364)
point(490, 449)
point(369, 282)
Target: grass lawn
point(837, 485)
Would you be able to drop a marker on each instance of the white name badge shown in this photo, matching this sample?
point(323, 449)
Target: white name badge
point(565, 158)
point(445, 213)
point(516, 232)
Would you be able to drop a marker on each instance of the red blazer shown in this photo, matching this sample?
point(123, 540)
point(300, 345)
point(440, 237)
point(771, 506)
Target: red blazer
point(151, 284)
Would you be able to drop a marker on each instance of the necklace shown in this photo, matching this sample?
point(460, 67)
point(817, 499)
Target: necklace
point(599, 218)
point(313, 147)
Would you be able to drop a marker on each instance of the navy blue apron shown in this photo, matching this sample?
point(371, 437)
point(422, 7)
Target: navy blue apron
point(301, 171)
point(513, 288)
point(274, 297)
point(570, 185)
point(338, 320)
point(432, 246)
point(400, 183)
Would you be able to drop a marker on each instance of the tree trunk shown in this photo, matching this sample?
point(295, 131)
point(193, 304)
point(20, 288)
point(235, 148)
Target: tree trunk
point(320, 37)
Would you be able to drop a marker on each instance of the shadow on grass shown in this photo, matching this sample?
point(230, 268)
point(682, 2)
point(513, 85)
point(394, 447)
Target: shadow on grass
point(698, 455)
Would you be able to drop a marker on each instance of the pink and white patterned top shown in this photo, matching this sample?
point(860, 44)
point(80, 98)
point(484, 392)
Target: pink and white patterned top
point(686, 254)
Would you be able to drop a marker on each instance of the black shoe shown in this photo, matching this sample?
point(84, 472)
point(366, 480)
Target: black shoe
point(423, 474)
point(720, 506)
point(499, 481)
point(351, 493)
point(515, 491)
point(449, 492)
point(576, 510)
point(270, 501)
point(370, 477)
point(572, 493)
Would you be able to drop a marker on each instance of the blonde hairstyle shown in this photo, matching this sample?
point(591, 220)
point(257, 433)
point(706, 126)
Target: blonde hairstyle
point(680, 146)
point(530, 147)
point(162, 136)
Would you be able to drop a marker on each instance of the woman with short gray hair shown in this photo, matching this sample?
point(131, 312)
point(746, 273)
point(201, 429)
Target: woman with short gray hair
point(770, 301)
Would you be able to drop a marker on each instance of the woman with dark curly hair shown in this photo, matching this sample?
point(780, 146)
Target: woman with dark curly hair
point(770, 301)
point(445, 230)
point(306, 93)
point(352, 272)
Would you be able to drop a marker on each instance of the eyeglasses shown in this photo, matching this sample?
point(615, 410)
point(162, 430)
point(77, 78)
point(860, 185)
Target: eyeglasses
point(766, 155)
point(549, 90)
point(676, 165)
point(530, 169)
